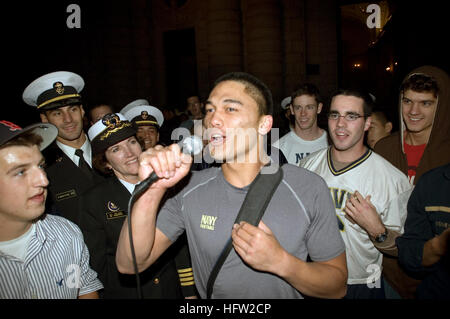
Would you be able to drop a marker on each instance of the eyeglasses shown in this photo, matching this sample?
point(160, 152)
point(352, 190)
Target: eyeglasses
point(348, 117)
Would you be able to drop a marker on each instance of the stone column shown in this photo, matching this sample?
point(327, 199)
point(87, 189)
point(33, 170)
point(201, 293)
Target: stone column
point(224, 37)
point(321, 44)
point(263, 42)
point(294, 47)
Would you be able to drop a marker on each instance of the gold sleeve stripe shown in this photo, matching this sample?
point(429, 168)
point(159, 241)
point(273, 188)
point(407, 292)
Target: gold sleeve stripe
point(437, 209)
point(186, 274)
point(189, 283)
point(191, 278)
point(184, 270)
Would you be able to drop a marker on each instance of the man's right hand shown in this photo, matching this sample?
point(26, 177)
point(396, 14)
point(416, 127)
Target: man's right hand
point(169, 164)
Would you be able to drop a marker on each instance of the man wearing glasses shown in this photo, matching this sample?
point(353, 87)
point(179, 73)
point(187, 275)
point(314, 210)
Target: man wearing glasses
point(369, 194)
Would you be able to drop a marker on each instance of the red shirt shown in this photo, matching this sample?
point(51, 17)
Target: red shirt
point(413, 155)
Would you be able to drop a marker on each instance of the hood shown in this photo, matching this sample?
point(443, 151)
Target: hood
point(441, 124)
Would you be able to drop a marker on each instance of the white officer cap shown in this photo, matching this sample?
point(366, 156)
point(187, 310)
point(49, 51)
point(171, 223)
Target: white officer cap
point(109, 130)
point(285, 103)
point(54, 90)
point(141, 113)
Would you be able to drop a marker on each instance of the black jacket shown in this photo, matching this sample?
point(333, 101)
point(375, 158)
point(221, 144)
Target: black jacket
point(428, 216)
point(67, 183)
point(103, 211)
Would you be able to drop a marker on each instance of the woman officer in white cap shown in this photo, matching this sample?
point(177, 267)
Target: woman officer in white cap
point(104, 210)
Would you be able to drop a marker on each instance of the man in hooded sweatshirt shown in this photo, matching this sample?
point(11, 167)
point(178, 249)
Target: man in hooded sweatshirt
point(422, 143)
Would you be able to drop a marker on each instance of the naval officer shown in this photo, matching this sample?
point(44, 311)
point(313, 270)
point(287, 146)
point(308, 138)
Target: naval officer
point(104, 209)
point(57, 98)
point(148, 120)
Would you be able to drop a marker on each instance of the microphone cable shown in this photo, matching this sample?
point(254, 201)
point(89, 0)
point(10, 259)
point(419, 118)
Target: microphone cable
point(137, 193)
point(191, 145)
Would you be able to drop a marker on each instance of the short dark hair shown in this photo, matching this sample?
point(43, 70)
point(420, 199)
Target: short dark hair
point(420, 83)
point(307, 89)
point(254, 87)
point(193, 95)
point(95, 106)
point(382, 116)
point(100, 162)
point(26, 139)
point(368, 103)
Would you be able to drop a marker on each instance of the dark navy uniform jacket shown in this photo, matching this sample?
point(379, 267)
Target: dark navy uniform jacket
point(428, 216)
point(66, 183)
point(103, 211)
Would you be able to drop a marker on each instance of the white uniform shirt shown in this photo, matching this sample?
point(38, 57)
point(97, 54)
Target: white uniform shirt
point(70, 152)
point(389, 189)
point(129, 186)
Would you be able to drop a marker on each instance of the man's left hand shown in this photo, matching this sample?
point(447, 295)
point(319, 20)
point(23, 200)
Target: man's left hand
point(363, 212)
point(257, 246)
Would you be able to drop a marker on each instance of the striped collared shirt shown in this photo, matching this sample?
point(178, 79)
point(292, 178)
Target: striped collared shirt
point(56, 265)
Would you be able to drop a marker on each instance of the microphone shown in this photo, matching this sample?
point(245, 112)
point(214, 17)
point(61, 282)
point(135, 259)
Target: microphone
point(191, 145)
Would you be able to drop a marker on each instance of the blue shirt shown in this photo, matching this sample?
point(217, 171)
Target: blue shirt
point(56, 265)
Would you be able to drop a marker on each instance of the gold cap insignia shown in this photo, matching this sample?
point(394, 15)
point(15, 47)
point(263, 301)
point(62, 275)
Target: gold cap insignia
point(144, 115)
point(113, 124)
point(59, 87)
point(111, 120)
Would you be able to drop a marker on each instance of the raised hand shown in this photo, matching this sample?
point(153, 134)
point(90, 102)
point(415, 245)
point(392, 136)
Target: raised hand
point(169, 164)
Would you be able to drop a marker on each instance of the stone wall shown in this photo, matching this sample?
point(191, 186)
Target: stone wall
point(123, 52)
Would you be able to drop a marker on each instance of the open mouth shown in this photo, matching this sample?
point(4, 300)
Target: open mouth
point(38, 198)
point(340, 134)
point(217, 139)
point(131, 162)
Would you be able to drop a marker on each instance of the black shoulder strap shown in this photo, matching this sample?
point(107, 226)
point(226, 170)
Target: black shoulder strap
point(252, 210)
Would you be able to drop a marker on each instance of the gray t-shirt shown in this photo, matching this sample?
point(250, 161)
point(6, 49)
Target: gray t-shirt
point(301, 216)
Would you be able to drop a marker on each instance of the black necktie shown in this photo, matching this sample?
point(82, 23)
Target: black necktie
point(83, 165)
